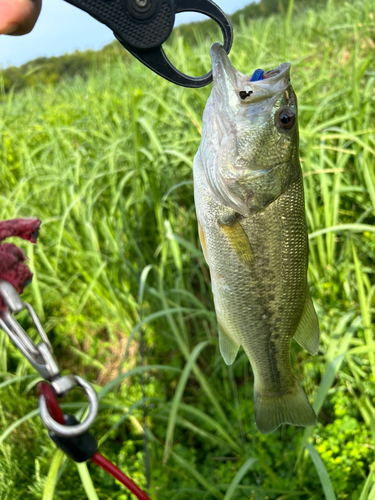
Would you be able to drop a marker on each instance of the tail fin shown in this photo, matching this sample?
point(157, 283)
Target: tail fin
point(292, 408)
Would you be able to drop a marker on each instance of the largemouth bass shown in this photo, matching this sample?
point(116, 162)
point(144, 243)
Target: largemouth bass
point(251, 218)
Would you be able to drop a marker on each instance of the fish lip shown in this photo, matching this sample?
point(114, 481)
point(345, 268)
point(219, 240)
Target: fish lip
point(220, 61)
point(277, 82)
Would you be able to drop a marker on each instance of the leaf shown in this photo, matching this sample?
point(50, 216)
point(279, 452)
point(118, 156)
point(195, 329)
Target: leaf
point(322, 472)
point(177, 398)
point(87, 481)
point(366, 487)
point(198, 476)
point(156, 315)
point(327, 381)
point(13, 380)
point(343, 227)
point(365, 310)
point(238, 478)
point(372, 493)
point(49, 487)
point(142, 284)
point(324, 387)
point(212, 423)
point(18, 422)
point(113, 383)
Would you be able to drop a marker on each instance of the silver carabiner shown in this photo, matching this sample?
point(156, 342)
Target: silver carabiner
point(41, 358)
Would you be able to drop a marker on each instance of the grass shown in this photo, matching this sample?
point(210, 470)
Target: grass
point(105, 160)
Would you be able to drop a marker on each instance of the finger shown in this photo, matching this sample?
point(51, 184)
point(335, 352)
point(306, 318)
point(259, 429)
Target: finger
point(18, 17)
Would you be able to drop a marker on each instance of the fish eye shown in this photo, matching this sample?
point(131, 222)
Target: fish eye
point(285, 119)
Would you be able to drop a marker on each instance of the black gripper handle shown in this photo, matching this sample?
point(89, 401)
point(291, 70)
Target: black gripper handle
point(142, 26)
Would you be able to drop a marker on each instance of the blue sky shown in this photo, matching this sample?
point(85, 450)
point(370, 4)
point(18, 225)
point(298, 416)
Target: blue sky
point(63, 28)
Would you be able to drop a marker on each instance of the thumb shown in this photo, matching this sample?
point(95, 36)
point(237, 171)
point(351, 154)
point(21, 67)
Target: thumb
point(18, 17)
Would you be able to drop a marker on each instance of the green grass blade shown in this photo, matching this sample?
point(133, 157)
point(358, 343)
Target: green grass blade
point(87, 481)
point(197, 372)
point(196, 412)
point(343, 227)
point(142, 284)
point(366, 487)
point(49, 488)
point(324, 387)
point(238, 478)
point(135, 371)
point(13, 380)
point(365, 310)
point(198, 476)
point(177, 398)
point(326, 383)
point(372, 493)
point(18, 422)
point(159, 314)
point(322, 472)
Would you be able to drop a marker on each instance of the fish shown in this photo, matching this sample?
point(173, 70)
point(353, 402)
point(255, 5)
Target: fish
point(249, 199)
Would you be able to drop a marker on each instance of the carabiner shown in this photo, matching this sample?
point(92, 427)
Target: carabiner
point(41, 358)
point(142, 26)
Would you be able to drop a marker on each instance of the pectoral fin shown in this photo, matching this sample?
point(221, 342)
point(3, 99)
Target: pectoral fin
point(307, 333)
point(237, 239)
point(228, 347)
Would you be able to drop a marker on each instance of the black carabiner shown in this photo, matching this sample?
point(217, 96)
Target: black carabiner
point(142, 26)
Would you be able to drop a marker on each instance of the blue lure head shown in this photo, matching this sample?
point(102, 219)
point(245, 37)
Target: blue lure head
point(257, 75)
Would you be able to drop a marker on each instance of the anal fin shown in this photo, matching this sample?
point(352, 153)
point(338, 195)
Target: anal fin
point(228, 347)
point(307, 333)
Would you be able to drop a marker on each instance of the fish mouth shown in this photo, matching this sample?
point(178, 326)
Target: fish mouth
point(273, 82)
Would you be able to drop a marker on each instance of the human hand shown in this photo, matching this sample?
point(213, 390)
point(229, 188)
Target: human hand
point(18, 17)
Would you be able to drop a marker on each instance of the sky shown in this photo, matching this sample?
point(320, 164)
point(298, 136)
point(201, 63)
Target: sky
point(62, 28)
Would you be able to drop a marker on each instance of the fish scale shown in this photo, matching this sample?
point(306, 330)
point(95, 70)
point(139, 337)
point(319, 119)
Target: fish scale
point(272, 284)
point(248, 191)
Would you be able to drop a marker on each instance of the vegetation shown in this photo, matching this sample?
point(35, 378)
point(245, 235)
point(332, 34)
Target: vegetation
point(56, 69)
point(105, 160)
